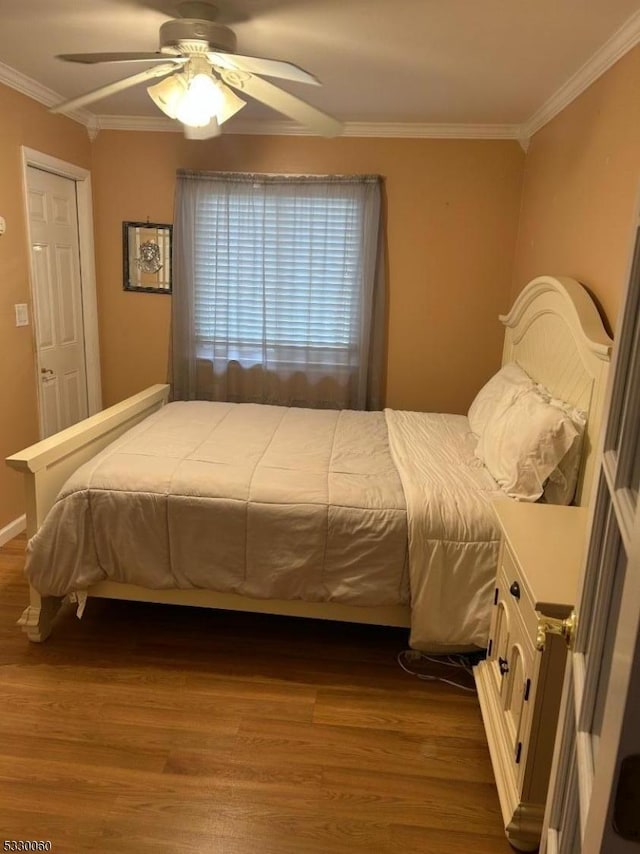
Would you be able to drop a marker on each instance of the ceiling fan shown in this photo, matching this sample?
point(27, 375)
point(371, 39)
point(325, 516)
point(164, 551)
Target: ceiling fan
point(198, 61)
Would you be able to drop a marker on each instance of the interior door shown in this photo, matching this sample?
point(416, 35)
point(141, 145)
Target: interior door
point(59, 330)
point(593, 799)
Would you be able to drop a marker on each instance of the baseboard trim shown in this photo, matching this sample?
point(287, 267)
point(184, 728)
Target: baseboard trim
point(12, 529)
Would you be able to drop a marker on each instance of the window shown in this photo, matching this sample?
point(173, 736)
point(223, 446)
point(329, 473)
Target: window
point(284, 274)
point(277, 278)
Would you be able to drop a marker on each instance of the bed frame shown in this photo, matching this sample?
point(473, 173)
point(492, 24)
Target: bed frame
point(553, 331)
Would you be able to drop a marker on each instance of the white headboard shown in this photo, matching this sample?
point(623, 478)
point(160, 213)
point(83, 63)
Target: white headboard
point(554, 332)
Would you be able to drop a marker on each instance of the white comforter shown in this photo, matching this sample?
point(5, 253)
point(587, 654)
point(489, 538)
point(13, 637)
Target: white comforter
point(263, 501)
point(453, 532)
point(280, 503)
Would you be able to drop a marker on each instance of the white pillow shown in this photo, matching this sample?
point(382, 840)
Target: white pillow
point(560, 487)
point(523, 443)
point(497, 394)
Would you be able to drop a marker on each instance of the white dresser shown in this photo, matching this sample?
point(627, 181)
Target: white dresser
point(520, 682)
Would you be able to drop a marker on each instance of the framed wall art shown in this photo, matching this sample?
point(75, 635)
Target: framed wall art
point(146, 250)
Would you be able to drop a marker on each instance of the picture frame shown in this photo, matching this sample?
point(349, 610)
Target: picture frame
point(146, 252)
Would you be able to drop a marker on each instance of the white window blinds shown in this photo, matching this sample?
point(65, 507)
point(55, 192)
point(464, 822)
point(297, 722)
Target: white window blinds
point(278, 274)
point(282, 271)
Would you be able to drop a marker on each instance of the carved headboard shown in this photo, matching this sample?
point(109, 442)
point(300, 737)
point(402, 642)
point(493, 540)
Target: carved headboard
point(554, 332)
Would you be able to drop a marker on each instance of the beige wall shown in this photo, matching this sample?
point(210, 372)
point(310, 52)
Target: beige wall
point(24, 122)
point(452, 210)
point(582, 178)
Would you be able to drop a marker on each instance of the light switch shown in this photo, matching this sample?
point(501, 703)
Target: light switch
point(22, 314)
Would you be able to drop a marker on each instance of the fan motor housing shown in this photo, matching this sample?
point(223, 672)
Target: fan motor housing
point(218, 36)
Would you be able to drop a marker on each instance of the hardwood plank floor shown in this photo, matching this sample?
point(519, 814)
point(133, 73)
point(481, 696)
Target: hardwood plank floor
point(148, 728)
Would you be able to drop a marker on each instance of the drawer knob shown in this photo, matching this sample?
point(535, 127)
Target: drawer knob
point(515, 590)
point(503, 664)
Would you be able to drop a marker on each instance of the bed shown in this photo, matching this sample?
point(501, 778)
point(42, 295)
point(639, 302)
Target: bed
point(381, 518)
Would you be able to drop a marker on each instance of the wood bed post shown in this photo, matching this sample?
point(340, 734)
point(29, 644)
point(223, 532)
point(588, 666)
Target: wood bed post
point(38, 618)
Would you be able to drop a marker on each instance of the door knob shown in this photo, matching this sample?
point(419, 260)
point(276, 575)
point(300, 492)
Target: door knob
point(554, 626)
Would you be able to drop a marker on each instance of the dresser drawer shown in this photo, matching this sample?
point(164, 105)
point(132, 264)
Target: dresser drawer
point(516, 596)
point(519, 686)
point(499, 638)
point(518, 695)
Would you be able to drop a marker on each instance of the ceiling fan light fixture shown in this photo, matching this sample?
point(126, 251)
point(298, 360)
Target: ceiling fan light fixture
point(207, 132)
point(168, 94)
point(201, 102)
point(231, 104)
point(195, 102)
point(198, 57)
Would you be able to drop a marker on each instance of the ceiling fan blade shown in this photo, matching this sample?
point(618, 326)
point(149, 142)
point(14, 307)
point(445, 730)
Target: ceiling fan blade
point(268, 67)
point(283, 102)
point(91, 58)
point(112, 88)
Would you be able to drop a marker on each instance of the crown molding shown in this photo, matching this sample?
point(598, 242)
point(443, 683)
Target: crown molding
point(30, 87)
point(158, 124)
point(621, 42)
point(406, 130)
point(94, 123)
point(353, 129)
point(434, 130)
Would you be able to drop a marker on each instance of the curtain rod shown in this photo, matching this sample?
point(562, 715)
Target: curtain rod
point(274, 177)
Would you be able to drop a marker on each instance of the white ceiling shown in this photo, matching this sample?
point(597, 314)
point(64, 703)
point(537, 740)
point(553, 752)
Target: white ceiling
point(382, 61)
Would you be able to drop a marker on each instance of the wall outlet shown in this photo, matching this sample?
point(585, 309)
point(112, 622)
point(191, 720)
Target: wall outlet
point(22, 314)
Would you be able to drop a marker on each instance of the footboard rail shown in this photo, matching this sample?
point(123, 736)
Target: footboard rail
point(47, 465)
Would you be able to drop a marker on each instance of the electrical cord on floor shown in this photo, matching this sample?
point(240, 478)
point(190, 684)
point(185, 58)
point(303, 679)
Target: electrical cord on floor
point(455, 661)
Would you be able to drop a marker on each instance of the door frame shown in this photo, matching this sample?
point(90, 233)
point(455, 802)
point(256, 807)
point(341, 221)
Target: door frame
point(84, 197)
point(619, 732)
point(619, 735)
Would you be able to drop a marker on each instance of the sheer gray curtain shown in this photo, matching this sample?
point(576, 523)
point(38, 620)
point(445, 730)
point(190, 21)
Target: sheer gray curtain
point(278, 290)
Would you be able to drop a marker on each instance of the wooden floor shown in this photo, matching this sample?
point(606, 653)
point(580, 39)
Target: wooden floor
point(158, 729)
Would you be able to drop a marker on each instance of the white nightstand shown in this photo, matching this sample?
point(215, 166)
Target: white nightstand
point(520, 682)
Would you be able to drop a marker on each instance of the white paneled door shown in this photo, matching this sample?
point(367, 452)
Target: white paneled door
point(57, 292)
point(594, 801)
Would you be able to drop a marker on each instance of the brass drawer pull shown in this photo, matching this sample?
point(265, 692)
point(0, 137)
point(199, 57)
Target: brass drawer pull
point(515, 590)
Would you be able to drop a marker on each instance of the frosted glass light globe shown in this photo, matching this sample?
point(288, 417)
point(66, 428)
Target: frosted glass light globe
point(200, 102)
